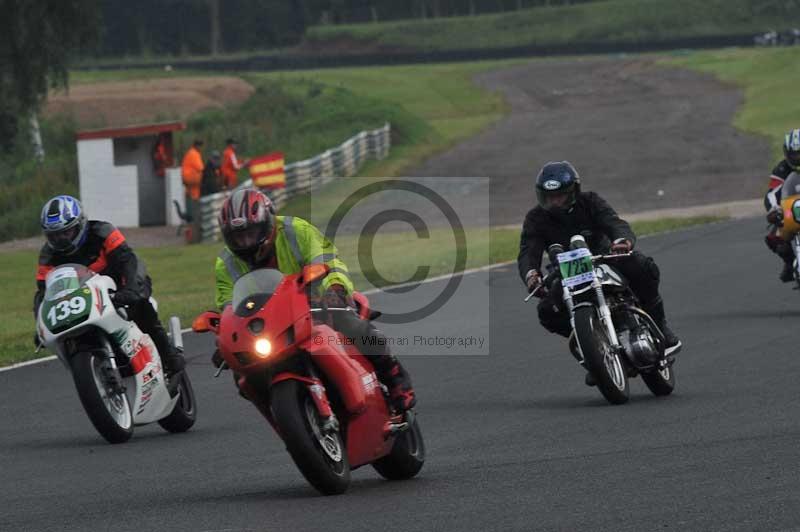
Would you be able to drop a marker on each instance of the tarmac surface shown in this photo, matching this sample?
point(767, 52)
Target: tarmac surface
point(515, 440)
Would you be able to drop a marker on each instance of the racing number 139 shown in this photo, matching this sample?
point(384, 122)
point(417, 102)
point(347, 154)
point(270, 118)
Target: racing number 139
point(76, 305)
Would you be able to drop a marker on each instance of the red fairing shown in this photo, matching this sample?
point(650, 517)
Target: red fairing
point(355, 380)
point(339, 369)
point(333, 360)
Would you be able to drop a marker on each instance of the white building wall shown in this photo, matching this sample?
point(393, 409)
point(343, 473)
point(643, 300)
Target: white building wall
point(174, 191)
point(108, 192)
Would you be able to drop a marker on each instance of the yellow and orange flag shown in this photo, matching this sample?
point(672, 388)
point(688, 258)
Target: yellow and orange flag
point(267, 171)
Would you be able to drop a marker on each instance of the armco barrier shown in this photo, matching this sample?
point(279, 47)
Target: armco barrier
point(306, 176)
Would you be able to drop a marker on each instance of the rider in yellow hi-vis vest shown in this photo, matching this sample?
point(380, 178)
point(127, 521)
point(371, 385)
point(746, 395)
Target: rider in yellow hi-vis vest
point(256, 238)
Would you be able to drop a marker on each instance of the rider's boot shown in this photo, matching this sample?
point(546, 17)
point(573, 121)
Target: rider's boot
point(171, 357)
point(787, 273)
point(392, 375)
point(656, 311)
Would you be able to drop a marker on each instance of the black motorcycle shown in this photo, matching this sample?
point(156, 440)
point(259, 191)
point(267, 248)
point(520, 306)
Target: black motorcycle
point(612, 337)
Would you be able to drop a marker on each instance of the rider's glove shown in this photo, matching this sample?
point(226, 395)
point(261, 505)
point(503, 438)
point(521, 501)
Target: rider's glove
point(336, 297)
point(533, 279)
point(775, 217)
point(126, 296)
point(621, 245)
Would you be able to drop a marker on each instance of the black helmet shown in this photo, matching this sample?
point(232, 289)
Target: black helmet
point(557, 187)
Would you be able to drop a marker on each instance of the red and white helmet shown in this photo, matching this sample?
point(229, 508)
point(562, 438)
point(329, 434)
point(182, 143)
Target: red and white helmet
point(247, 221)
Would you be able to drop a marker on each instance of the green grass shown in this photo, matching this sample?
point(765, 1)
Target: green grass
point(86, 77)
point(769, 77)
point(301, 118)
point(606, 21)
point(183, 276)
point(436, 106)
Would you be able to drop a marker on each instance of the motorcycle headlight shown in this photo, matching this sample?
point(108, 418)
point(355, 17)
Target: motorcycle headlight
point(263, 347)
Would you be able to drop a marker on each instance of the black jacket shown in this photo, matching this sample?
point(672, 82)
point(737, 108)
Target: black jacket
point(591, 213)
point(106, 252)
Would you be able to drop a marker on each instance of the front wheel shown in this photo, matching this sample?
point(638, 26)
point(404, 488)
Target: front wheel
point(406, 457)
point(660, 382)
point(320, 456)
point(605, 365)
point(184, 413)
point(102, 396)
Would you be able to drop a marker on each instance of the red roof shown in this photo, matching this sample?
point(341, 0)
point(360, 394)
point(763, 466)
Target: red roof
point(131, 131)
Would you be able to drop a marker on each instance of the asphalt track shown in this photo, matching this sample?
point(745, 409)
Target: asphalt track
point(644, 135)
point(515, 440)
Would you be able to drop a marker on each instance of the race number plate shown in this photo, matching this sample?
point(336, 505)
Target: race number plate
point(68, 311)
point(576, 267)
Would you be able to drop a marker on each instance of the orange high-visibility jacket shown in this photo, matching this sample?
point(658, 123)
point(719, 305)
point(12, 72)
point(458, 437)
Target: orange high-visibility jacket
point(192, 172)
point(230, 167)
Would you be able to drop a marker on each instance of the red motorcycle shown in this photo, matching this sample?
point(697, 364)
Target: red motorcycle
point(319, 393)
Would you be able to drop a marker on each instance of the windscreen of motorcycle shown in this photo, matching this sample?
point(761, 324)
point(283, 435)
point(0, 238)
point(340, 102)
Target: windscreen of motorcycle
point(791, 186)
point(252, 291)
point(64, 280)
point(67, 301)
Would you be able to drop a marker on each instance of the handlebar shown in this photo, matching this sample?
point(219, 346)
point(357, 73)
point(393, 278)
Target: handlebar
point(600, 258)
point(595, 259)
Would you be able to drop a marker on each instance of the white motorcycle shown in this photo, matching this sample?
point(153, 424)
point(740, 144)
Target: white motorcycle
point(116, 367)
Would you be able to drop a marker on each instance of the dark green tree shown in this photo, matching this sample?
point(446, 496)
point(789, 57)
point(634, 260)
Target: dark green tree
point(37, 40)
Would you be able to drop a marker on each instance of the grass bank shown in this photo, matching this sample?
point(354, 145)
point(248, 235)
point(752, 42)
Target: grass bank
point(768, 76)
point(441, 105)
point(184, 281)
point(613, 21)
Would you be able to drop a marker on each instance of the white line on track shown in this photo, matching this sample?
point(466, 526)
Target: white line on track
point(376, 291)
point(368, 292)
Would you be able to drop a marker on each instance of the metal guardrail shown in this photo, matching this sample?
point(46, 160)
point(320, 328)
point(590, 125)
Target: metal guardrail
point(306, 176)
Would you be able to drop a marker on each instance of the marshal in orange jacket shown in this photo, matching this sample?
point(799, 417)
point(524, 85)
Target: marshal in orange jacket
point(192, 171)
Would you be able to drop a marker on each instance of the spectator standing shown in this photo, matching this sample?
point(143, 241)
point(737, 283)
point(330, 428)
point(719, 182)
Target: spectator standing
point(212, 175)
point(231, 164)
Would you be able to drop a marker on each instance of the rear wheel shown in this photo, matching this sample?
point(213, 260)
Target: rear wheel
point(184, 413)
point(320, 456)
point(660, 382)
point(606, 366)
point(102, 396)
point(407, 456)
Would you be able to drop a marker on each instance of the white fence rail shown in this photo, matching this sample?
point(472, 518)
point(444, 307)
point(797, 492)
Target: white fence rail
point(307, 176)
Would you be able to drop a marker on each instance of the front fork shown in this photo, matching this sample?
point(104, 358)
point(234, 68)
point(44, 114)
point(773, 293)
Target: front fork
point(319, 396)
point(796, 250)
point(602, 306)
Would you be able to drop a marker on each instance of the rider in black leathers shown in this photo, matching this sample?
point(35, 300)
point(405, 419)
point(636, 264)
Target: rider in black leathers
point(564, 211)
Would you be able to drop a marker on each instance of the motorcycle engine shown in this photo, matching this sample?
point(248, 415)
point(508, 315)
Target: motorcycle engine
point(640, 344)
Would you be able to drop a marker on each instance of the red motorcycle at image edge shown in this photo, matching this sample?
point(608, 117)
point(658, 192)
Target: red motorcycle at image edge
point(319, 393)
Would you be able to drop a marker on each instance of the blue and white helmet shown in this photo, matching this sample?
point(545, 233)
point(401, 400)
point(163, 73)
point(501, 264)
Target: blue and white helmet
point(791, 148)
point(64, 224)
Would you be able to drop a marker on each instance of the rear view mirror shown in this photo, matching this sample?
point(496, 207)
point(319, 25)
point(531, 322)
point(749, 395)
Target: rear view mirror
point(314, 272)
point(207, 321)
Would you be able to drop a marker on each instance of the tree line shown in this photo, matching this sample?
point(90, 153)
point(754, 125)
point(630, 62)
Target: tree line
point(187, 27)
point(38, 38)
